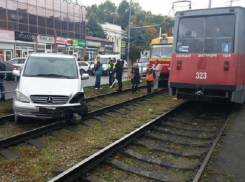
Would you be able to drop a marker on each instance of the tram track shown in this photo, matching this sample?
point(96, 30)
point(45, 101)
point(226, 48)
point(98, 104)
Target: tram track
point(16, 139)
point(172, 147)
point(11, 128)
point(10, 117)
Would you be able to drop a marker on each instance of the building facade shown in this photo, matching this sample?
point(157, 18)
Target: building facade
point(95, 46)
point(41, 26)
point(114, 34)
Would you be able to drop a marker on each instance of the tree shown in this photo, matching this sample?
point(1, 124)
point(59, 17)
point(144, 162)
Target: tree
point(139, 39)
point(123, 14)
point(102, 12)
point(94, 29)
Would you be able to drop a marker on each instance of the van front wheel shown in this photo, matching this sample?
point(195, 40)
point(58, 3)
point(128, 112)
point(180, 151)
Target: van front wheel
point(19, 120)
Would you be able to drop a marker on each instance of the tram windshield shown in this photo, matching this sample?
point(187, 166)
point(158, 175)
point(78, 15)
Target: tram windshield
point(211, 34)
point(161, 51)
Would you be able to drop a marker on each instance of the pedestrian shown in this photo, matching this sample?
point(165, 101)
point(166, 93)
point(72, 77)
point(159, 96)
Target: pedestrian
point(98, 73)
point(82, 59)
point(95, 63)
point(111, 69)
point(157, 69)
point(149, 78)
point(136, 79)
point(2, 87)
point(119, 71)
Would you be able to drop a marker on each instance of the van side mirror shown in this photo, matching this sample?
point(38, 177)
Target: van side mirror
point(84, 76)
point(16, 72)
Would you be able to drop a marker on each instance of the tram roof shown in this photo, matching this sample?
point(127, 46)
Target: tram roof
point(210, 11)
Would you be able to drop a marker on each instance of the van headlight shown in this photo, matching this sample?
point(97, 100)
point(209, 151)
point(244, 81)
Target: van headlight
point(21, 97)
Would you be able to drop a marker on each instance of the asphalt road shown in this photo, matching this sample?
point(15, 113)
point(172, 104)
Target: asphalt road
point(11, 85)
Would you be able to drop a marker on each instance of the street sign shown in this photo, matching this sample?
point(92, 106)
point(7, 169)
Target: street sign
point(123, 44)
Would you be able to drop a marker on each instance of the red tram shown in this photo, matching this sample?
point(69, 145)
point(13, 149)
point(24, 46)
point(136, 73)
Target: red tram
point(208, 59)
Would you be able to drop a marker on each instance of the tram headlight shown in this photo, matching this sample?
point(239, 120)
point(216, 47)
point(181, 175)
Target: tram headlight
point(179, 63)
point(226, 65)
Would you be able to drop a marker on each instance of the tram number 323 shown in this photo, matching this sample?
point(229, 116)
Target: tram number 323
point(201, 75)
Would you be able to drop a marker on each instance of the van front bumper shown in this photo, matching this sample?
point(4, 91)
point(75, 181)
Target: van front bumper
point(44, 111)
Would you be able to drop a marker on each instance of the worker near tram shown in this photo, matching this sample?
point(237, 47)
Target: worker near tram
point(111, 68)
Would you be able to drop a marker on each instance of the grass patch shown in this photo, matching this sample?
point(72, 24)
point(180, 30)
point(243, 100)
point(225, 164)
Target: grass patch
point(6, 107)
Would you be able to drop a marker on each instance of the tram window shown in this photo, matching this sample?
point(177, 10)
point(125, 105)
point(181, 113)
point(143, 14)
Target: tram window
point(216, 37)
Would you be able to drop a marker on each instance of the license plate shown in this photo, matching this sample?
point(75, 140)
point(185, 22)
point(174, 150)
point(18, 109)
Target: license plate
point(46, 111)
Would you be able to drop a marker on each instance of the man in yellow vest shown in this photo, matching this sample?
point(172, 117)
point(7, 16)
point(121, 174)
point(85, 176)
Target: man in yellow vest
point(111, 68)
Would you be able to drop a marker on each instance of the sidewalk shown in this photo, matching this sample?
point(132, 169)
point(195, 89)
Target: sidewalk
point(229, 163)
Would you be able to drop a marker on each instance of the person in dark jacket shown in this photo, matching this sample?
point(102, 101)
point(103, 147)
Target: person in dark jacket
point(2, 87)
point(119, 72)
point(136, 80)
point(98, 73)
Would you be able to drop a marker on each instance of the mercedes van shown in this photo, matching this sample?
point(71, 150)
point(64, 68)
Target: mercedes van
point(50, 86)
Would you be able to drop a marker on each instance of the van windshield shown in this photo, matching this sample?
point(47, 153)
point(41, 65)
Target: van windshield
point(51, 67)
point(104, 60)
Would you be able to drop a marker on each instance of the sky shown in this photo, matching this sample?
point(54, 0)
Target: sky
point(164, 7)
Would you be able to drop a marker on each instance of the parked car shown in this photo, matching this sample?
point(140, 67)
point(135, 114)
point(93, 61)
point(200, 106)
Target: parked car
point(18, 62)
point(143, 65)
point(9, 67)
point(83, 66)
point(50, 86)
point(90, 62)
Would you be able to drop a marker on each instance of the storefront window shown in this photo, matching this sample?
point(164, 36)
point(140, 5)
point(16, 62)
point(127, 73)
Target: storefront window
point(6, 55)
point(23, 50)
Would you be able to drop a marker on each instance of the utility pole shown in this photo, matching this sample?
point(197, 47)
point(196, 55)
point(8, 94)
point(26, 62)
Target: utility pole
point(209, 5)
point(129, 24)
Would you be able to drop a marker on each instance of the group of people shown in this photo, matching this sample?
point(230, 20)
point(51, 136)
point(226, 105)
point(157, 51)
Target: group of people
point(152, 77)
point(113, 69)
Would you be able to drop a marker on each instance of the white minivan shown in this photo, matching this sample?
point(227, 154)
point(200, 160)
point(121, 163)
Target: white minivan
point(50, 86)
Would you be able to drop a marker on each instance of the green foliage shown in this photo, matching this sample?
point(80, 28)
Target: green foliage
point(93, 28)
point(123, 14)
point(139, 38)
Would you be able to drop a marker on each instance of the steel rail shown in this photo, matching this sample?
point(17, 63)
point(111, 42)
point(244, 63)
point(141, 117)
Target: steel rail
point(16, 139)
point(10, 117)
point(208, 156)
point(89, 163)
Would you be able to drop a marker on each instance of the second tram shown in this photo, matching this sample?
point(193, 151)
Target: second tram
point(161, 49)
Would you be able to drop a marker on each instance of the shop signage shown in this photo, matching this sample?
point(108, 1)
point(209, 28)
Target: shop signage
point(60, 40)
point(79, 43)
point(22, 36)
point(68, 42)
point(108, 47)
point(45, 39)
point(6, 35)
point(93, 44)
